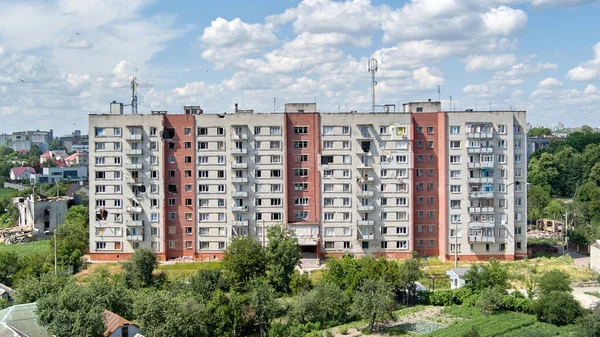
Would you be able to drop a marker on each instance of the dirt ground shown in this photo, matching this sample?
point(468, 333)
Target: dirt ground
point(429, 313)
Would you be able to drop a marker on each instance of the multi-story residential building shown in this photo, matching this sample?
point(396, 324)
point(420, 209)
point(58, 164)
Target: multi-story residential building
point(448, 184)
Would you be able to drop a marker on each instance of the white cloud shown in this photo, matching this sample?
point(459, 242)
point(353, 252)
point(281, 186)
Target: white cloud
point(489, 62)
point(75, 43)
point(591, 90)
point(588, 71)
point(504, 21)
point(227, 41)
point(561, 3)
point(550, 82)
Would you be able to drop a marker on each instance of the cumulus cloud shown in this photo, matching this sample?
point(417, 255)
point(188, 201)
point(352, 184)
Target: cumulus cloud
point(588, 71)
point(489, 62)
point(550, 82)
point(561, 3)
point(75, 43)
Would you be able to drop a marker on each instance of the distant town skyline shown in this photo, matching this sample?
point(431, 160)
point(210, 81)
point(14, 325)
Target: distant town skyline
point(535, 55)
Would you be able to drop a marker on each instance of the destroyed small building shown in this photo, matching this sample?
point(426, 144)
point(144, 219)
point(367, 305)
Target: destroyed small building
point(42, 213)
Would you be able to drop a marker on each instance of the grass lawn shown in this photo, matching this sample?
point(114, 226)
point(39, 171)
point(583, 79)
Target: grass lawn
point(35, 247)
point(519, 270)
point(504, 323)
point(6, 192)
point(186, 269)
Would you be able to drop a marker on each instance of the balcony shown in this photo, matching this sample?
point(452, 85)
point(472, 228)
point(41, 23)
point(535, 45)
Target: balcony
point(134, 180)
point(239, 165)
point(481, 195)
point(239, 180)
point(366, 223)
point(240, 223)
point(480, 150)
point(133, 166)
point(135, 238)
point(365, 237)
point(365, 193)
point(366, 207)
point(364, 166)
point(369, 179)
point(480, 135)
point(485, 239)
point(481, 209)
point(134, 209)
point(477, 225)
point(239, 151)
point(133, 152)
point(482, 180)
point(133, 137)
point(485, 164)
point(242, 194)
point(239, 209)
point(239, 136)
point(135, 223)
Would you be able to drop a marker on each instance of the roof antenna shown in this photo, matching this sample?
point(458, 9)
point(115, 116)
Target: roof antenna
point(134, 107)
point(373, 69)
point(439, 94)
point(450, 103)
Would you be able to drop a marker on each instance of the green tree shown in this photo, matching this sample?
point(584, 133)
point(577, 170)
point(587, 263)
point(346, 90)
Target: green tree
point(139, 270)
point(9, 267)
point(205, 282)
point(409, 273)
point(78, 215)
point(558, 308)
point(35, 151)
point(283, 255)
point(554, 280)
point(473, 332)
point(72, 241)
point(539, 131)
point(586, 129)
point(490, 300)
point(589, 325)
point(263, 302)
point(481, 277)
point(554, 208)
point(228, 313)
point(538, 198)
point(56, 144)
point(300, 282)
point(159, 314)
point(588, 202)
point(374, 302)
point(244, 260)
point(33, 288)
point(5, 151)
point(544, 171)
point(326, 303)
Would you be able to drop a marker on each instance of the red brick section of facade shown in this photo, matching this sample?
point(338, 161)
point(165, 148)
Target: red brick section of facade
point(294, 160)
point(180, 237)
point(441, 175)
point(426, 186)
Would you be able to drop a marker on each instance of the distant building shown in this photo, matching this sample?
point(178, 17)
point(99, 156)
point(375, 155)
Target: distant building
point(23, 140)
point(42, 213)
point(7, 293)
point(457, 277)
point(79, 194)
point(75, 141)
point(21, 173)
point(80, 147)
point(57, 174)
point(21, 321)
point(53, 155)
point(535, 144)
point(77, 159)
point(117, 326)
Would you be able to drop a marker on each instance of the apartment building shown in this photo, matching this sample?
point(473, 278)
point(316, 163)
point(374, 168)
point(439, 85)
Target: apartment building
point(383, 184)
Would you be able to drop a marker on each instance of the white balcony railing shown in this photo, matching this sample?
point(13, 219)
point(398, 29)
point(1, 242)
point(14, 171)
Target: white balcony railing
point(239, 165)
point(135, 223)
point(238, 194)
point(366, 207)
point(366, 223)
point(138, 237)
point(239, 209)
point(239, 151)
point(239, 180)
point(133, 151)
point(133, 166)
point(134, 209)
point(240, 223)
point(133, 137)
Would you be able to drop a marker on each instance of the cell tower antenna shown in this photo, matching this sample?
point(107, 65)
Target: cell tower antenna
point(274, 105)
point(373, 69)
point(134, 85)
point(439, 94)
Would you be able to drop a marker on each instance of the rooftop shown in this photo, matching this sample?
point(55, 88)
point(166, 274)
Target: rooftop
point(21, 321)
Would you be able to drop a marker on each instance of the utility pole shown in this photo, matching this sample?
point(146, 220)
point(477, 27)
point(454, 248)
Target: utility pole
point(55, 258)
point(455, 244)
point(565, 229)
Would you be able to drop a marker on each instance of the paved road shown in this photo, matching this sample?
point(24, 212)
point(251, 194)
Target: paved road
point(587, 301)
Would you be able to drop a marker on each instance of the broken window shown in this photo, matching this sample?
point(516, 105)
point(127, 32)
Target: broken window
point(172, 188)
point(101, 214)
point(169, 133)
point(326, 160)
point(366, 146)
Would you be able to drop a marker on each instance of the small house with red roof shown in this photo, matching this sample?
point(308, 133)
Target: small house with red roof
point(117, 326)
point(77, 159)
point(21, 173)
point(53, 155)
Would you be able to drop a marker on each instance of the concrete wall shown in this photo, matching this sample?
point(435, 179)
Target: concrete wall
point(44, 215)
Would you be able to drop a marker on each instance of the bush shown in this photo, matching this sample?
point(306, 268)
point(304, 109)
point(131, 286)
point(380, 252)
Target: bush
point(516, 301)
point(558, 308)
point(343, 329)
point(554, 280)
point(473, 332)
point(489, 300)
point(450, 297)
point(300, 282)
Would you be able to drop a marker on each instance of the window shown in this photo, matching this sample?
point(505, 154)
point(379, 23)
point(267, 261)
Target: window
point(502, 129)
point(300, 130)
point(454, 188)
point(187, 131)
point(419, 158)
point(419, 144)
point(171, 202)
point(202, 145)
point(328, 216)
point(257, 130)
point(502, 159)
point(171, 173)
point(188, 159)
point(100, 146)
point(297, 215)
point(274, 145)
point(455, 174)
point(300, 186)
point(187, 145)
point(326, 144)
point(303, 144)
point(502, 144)
point(454, 159)
point(301, 172)
point(454, 129)
point(300, 201)
point(430, 130)
point(345, 130)
point(518, 158)
point(455, 144)
point(275, 130)
point(430, 172)
point(99, 132)
point(430, 158)
point(100, 160)
point(454, 203)
point(419, 130)
point(455, 248)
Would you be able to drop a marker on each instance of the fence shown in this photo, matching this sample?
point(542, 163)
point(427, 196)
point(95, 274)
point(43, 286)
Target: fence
point(577, 248)
point(14, 186)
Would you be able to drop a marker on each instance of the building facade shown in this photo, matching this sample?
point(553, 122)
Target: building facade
point(448, 184)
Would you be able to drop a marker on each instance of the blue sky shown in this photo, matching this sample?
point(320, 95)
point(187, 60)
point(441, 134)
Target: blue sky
point(63, 59)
